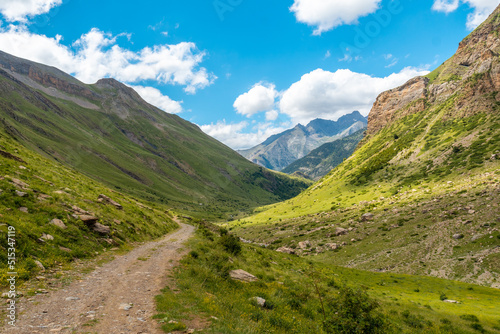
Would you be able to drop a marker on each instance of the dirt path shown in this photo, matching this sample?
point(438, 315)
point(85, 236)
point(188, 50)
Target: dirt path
point(99, 302)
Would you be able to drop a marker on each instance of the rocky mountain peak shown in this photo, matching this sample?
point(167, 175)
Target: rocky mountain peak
point(471, 73)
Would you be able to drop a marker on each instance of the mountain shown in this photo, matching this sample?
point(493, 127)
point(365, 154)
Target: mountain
point(280, 150)
point(108, 132)
point(322, 160)
point(420, 194)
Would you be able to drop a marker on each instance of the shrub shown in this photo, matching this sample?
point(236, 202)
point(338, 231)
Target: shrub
point(354, 312)
point(469, 317)
point(231, 244)
point(443, 296)
point(478, 327)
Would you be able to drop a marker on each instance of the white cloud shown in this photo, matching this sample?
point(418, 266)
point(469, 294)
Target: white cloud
point(445, 6)
point(233, 136)
point(156, 98)
point(258, 99)
point(323, 94)
point(328, 14)
point(272, 115)
point(19, 10)
point(96, 55)
point(482, 9)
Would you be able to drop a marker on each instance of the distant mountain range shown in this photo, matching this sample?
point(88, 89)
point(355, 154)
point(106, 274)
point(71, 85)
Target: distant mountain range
point(322, 160)
point(282, 149)
point(108, 132)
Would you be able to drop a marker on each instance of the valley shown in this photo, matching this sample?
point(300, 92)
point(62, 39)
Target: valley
point(129, 219)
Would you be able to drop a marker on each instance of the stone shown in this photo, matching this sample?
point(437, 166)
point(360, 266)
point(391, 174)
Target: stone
point(458, 236)
point(101, 228)
point(64, 249)
point(24, 209)
point(126, 307)
point(39, 265)
point(286, 250)
point(258, 300)
point(58, 223)
point(18, 183)
point(106, 199)
point(44, 197)
point(22, 167)
point(477, 237)
point(332, 246)
point(72, 298)
point(21, 193)
point(451, 301)
point(88, 219)
point(340, 231)
point(46, 237)
point(117, 222)
point(471, 212)
point(367, 217)
point(304, 244)
point(243, 276)
point(190, 331)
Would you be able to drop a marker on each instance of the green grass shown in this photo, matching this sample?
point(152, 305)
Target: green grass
point(135, 148)
point(137, 221)
point(295, 289)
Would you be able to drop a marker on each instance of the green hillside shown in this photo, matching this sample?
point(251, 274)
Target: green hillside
point(427, 175)
point(45, 202)
point(107, 132)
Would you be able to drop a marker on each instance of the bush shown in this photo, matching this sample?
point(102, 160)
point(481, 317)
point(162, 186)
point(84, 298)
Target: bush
point(354, 312)
point(469, 317)
point(231, 244)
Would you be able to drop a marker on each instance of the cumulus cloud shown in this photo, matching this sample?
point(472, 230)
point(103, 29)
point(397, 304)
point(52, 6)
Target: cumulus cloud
point(19, 10)
point(272, 115)
point(234, 136)
point(258, 99)
point(96, 55)
point(323, 94)
point(156, 98)
point(325, 15)
point(482, 9)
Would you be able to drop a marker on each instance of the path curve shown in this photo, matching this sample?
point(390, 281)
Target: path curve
point(96, 303)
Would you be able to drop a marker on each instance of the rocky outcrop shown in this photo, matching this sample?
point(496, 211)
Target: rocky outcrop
point(397, 103)
point(470, 75)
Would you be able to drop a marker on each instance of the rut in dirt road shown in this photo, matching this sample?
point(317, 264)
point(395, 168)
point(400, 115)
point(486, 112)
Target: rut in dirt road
point(116, 298)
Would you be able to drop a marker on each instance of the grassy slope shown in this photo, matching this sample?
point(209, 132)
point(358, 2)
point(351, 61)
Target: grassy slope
point(410, 304)
point(137, 221)
point(416, 180)
point(150, 154)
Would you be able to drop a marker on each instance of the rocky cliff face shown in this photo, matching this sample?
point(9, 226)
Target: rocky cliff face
point(471, 74)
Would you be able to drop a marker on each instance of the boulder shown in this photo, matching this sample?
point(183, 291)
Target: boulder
point(24, 209)
point(458, 236)
point(258, 300)
point(243, 276)
point(46, 237)
point(304, 244)
point(367, 217)
point(332, 246)
point(286, 250)
point(39, 265)
point(21, 193)
point(101, 228)
point(59, 223)
point(88, 219)
point(340, 231)
point(105, 199)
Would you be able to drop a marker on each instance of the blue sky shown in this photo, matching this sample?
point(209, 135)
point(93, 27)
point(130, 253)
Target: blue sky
point(244, 69)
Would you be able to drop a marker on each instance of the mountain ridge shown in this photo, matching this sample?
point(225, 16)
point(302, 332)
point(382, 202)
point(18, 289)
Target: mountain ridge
point(107, 131)
point(280, 150)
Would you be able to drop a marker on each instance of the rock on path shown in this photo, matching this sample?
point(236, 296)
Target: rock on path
point(96, 303)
